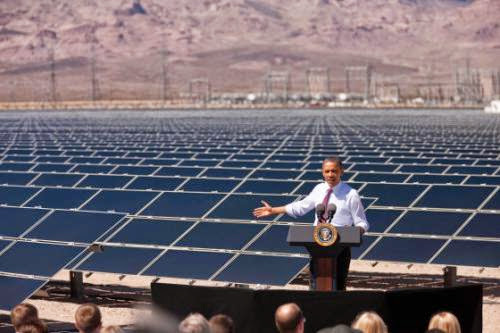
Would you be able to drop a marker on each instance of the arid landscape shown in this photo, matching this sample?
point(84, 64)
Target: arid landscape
point(234, 43)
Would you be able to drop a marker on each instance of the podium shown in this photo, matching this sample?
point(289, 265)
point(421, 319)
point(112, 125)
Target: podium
point(324, 256)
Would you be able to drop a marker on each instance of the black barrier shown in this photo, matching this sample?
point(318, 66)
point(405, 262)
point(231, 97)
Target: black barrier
point(407, 310)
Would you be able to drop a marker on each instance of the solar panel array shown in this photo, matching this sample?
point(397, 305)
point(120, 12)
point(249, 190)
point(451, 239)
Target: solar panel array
point(172, 193)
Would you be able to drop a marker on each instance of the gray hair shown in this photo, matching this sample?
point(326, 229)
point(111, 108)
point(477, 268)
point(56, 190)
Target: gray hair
point(194, 323)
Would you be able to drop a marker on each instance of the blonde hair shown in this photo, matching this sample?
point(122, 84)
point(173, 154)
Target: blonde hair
point(112, 329)
point(194, 323)
point(445, 321)
point(369, 322)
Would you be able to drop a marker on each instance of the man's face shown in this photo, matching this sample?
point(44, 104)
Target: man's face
point(332, 173)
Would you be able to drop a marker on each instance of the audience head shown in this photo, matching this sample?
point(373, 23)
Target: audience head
point(445, 321)
point(88, 318)
point(111, 329)
point(221, 323)
point(23, 313)
point(35, 327)
point(434, 330)
point(289, 318)
point(339, 329)
point(194, 323)
point(369, 322)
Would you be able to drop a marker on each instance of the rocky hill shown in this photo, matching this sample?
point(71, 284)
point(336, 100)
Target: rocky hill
point(235, 42)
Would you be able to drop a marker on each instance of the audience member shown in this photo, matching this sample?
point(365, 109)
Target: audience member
point(24, 317)
point(88, 318)
point(194, 323)
point(339, 329)
point(445, 321)
point(39, 327)
point(221, 323)
point(369, 322)
point(112, 329)
point(289, 318)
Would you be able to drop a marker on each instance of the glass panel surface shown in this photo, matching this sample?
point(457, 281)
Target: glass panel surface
point(49, 258)
point(241, 206)
point(182, 204)
point(105, 181)
point(179, 171)
point(156, 183)
point(274, 240)
point(15, 290)
point(18, 178)
point(14, 221)
point(467, 197)
point(210, 185)
point(392, 194)
point(432, 223)
point(67, 180)
point(225, 173)
point(188, 265)
point(267, 186)
point(16, 195)
point(53, 167)
point(470, 253)
point(134, 170)
point(119, 260)
point(494, 202)
point(74, 226)
point(482, 225)
point(436, 179)
point(150, 231)
point(272, 270)
point(380, 219)
point(120, 201)
point(60, 198)
point(404, 249)
point(208, 235)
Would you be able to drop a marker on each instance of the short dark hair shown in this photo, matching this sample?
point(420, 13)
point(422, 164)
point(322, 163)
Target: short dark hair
point(87, 318)
point(221, 323)
point(334, 159)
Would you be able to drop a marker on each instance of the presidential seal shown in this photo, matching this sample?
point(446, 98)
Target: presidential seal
point(325, 234)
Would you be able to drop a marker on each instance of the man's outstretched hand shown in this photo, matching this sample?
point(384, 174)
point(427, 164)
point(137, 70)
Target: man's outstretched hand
point(263, 211)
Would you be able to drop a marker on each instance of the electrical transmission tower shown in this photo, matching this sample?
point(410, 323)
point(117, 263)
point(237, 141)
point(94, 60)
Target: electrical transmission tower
point(468, 84)
point(318, 81)
point(200, 90)
point(358, 81)
point(277, 86)
point(164, 77)
point(93, 75)
point(53, 93)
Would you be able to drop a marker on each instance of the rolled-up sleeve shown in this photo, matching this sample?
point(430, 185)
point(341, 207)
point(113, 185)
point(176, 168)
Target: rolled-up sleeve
point(301, 207)
point(358, 212)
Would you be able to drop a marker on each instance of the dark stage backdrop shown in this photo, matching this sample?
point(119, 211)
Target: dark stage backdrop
point(405, 311)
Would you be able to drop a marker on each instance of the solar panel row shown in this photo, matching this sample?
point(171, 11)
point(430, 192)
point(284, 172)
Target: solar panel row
point(158, 190)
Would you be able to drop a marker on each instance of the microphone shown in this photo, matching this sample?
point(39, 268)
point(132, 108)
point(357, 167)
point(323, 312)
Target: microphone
point(320, 210)
point(331, 209)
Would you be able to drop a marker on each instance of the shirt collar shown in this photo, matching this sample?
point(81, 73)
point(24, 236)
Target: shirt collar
point(335, 188)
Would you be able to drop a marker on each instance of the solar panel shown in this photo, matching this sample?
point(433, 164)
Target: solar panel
point(428, 222)
point(14, 221)
point(50, 258)
point(208, 235)
point(74, 226)
point(61, 198)
point(272, 270)
point(188, 264)
point(119, 260)
point(129, 202)
point(16, 289)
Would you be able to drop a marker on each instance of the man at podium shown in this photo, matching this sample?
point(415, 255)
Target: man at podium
point(349, 210)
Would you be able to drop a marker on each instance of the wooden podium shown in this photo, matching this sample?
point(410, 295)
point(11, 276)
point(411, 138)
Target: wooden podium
point(324, 266)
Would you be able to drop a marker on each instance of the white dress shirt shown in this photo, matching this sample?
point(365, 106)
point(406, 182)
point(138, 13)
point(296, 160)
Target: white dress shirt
point(349, 211)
